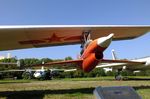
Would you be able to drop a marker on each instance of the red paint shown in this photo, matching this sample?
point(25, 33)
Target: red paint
point(92, 56)
point(31, 42)
point(89, 63)
point(72, 38)
point(53, 39)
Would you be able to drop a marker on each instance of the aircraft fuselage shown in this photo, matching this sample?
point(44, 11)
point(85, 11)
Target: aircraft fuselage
point(93, 53)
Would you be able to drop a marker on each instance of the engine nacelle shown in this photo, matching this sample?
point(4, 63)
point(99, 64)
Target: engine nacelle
point(91, 61)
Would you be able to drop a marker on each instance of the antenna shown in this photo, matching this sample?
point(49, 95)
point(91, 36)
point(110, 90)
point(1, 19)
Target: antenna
point(113, 54)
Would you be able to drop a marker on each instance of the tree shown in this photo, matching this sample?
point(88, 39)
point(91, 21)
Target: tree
point(22, 64)
point(110, 73)
point(45, 60)
point(68, 58)
point(78, 73)
point(147, 72)
point(99, 72)
point(127, 73)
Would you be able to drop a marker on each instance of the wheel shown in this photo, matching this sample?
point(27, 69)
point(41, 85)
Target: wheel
point(118, 77)
point(27, 75)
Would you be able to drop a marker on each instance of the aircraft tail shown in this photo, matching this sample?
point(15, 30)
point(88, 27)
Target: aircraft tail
point(114, 57)
point(18, 63)
point(42, 68)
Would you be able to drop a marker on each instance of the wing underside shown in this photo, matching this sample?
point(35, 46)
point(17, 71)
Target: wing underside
point(20, 37)
point(69, 64)
point(106, 63)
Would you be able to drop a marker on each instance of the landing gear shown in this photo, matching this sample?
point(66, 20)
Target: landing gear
point(122, 74)
point(85, 40)
point(27, 75)
point(118, 76)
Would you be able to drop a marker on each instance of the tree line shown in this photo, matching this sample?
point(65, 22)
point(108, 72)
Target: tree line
point(28, 62)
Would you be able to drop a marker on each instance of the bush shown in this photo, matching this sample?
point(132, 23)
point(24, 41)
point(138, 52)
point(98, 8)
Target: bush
point(110, 73)
point(78, 74)
point(127, 73)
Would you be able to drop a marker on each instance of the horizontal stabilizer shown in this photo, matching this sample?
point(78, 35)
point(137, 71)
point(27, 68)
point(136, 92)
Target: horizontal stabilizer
point(63, 64)
point(106, 63)
point(120, 61)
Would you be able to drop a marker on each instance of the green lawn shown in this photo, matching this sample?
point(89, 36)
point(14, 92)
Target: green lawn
point(76, 88)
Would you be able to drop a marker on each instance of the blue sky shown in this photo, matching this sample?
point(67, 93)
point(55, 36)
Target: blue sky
point(79, 12)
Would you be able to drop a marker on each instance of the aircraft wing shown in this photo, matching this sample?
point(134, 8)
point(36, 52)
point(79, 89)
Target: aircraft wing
point(69, 64)
point(30, 36)
point(106, 63)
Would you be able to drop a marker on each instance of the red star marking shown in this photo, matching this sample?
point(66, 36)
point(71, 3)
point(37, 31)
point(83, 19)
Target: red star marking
point(54, 38)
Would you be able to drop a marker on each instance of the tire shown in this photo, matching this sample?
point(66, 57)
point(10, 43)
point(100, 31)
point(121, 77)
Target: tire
point(27, 75)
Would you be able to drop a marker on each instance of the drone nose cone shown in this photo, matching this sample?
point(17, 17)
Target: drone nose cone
point(105, 41)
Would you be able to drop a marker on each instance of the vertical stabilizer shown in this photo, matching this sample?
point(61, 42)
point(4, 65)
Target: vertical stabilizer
point(18, 63)
point(113, 54)
point(42, 68)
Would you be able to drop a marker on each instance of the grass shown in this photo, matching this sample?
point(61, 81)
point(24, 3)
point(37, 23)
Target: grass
point(76, 88)
point(7, 81)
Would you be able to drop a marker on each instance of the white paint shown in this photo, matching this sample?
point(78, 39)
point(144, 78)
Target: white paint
point(105, 41)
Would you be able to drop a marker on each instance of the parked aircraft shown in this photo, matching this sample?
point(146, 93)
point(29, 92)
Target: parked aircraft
point(126, 66)
point(49, 73)
point(94, 40)
point(40, 74)
point(11, 63)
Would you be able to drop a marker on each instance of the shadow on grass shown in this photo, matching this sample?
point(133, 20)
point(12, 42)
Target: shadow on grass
point(39, 94)
point(141, 87)
point(139, 79)
point(7, 82)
